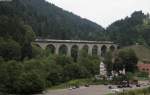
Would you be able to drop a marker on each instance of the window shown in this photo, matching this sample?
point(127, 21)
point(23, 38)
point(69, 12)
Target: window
point(143, 69)
point(147, 69)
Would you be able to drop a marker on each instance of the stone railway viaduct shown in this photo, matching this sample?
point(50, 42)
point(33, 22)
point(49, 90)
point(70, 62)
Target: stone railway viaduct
point(92, 47)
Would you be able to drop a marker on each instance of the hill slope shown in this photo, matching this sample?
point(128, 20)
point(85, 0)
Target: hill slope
point(142, 52)
point(50, 21)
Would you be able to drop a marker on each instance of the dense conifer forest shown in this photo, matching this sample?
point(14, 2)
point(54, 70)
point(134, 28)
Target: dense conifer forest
point(50, 21)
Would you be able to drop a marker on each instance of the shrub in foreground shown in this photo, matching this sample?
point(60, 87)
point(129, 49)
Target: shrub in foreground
point(15, 78)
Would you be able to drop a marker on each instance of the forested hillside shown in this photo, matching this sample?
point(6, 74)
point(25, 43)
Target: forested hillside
point(131, 30)
point(50, 21)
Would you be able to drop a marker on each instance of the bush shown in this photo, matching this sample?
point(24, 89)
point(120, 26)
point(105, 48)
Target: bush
point(10, 49)
point(90, 63)
point(37, 51)
point(54, 74)
point(62, 60)
point(75, 71)
point(142, 74)
point(17, 79)
point(10, 73)
point(31, 82)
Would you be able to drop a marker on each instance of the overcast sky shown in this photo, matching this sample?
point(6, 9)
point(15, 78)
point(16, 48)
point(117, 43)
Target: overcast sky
point(103, 12)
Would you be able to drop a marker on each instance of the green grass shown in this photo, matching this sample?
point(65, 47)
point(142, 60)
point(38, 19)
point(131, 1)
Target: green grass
point(68, 84)
point(144, 91)
point(109, 94)
point(79, 82)
point(142, 78)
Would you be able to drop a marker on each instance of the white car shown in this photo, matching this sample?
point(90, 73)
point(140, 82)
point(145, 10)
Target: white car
point(115, 90)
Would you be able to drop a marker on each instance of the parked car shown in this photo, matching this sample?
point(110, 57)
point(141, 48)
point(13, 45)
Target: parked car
point(110, 87)
point(119, 86)
point(115, 90)
point(138, 85)
point(105, 83)
point(86, 85)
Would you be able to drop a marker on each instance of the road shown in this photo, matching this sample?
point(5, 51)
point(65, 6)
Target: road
point(92, 90)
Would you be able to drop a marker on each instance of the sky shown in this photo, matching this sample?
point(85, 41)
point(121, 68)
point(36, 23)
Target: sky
point(103, 12)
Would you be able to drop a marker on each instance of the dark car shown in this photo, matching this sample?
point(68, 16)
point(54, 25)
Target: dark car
point(110, 87)
point(119, 86)
point(130, 86)
point(87, 85)
point(105, 83)
point(77, 86)
point(127, 85)
point(138, 85)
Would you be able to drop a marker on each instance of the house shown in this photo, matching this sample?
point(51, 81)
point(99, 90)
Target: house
point(145, 67)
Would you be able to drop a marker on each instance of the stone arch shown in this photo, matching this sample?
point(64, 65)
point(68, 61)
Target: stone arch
point(112, 48)
point(85, 48)
point(37, 45)
point(51, 48)
point(95, 50)
point(63, 49)
point(103, 50)
point(74, 52)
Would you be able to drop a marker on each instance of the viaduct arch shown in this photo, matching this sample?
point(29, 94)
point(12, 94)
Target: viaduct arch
point(68, 46)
